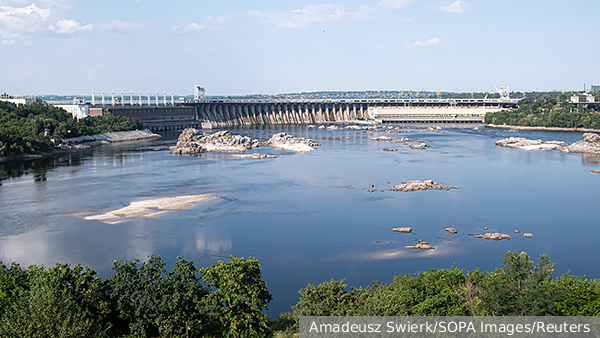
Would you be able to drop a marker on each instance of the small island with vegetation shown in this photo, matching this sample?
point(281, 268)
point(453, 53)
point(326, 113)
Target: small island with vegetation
point(549, 112)
point(41, 128)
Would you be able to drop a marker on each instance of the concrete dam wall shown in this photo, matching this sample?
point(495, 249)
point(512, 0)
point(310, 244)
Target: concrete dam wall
point(223, 114)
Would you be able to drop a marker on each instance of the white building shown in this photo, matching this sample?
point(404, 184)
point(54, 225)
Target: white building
point(78, 110)
point(18, 99)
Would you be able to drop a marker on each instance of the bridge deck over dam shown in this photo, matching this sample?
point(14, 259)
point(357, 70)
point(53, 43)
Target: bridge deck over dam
point(224, 113)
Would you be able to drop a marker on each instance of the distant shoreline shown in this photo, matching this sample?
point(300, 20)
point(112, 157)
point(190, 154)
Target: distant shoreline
point(101, 139)
point(587, 130)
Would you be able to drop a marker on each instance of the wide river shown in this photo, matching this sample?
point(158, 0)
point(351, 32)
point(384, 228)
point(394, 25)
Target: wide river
point(295, 213)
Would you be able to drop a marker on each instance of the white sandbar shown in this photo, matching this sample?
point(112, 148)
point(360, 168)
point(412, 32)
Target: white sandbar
point(150, 208)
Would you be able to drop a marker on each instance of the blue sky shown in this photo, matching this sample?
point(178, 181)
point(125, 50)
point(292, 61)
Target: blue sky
point(270, 47)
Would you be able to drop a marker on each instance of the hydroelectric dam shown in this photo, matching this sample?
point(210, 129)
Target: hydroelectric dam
point(223, 113)
point(199, 112)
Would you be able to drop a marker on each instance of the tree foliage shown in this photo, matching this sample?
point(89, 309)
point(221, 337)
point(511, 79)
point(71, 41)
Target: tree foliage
point(238, 297)
point(56, 302)
point(227, 299)
point(518, 288)
point(22, 127)
point(154, 301)
point(547, 112)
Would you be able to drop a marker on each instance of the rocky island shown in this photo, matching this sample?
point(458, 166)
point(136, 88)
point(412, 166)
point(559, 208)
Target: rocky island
point(419, 185)
point(287, 142)
point(192, 142)
point(527, 144)
point(590, 144)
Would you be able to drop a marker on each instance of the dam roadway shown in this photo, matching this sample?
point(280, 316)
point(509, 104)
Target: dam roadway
point(225, 113)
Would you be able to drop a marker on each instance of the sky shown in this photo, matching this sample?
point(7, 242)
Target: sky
point(231, 47)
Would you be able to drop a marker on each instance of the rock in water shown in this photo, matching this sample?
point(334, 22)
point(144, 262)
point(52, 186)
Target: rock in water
point(191, 141)
point(288, 142)
point(419, 185)
point(255, 156)
point(420, 146)
point(590, 137)
point(404, 230)
point(493, 236)
point(420, 246)
point(451, 230)
point(590, 144)
point(527, 144)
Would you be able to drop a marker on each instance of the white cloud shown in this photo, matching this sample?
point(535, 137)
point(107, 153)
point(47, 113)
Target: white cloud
point(8, 42)
point(395, 4)
point(456, 7)
point(14, 20)
point(430, 42)
point(383, 45)
point(312, 15)
point(17, 13)
point(188, 28)
point(69, 27)
point(220, 18)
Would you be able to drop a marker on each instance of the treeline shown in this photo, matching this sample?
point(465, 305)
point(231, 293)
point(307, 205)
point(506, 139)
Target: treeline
point(518, 288)
point(139, 299)
point(547, 112)
point(226, 299)
point(22, 127)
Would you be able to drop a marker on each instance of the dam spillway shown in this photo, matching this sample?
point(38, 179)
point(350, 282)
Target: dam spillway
point(224, 113)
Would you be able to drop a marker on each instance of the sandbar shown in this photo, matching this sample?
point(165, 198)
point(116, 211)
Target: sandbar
point(150, 208)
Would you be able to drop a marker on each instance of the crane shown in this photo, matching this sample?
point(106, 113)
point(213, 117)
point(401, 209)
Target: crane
point(439, 96)
point(504, 92)
point(486, 95)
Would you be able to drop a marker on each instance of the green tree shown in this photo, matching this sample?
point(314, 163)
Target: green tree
point(521, 288)
point(582, 296)
point(47, 304)
point(154, 301)
point(332, 298)
point(238, 296)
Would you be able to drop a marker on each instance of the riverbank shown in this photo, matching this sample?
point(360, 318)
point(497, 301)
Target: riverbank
point(75, 144)
point(585, 130)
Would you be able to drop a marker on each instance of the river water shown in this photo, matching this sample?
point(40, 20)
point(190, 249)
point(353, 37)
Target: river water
point(297, 216)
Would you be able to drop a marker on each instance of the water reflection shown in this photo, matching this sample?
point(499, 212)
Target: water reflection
point(37, 168)
point(590, 160)
point(98, 245)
